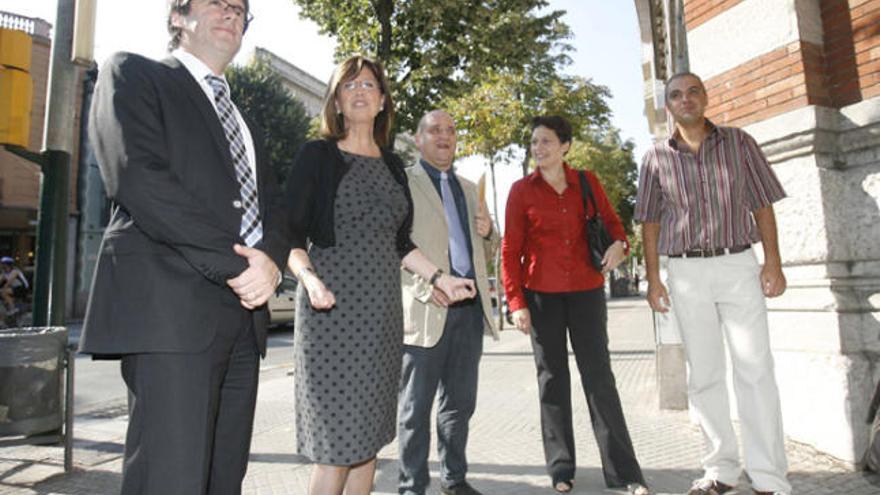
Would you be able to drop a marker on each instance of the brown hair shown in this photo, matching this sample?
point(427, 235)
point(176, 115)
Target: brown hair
point(556, 123)
point(183, 7)
point(332, 122)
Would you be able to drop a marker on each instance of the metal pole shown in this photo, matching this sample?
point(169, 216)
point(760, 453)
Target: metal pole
point(45, 253)
point(68, 409)
point(499, 286)
point(59, 162)
point(58, 142)
point(63, 78)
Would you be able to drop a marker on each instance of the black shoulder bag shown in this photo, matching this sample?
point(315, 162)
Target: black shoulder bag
point(598, 238)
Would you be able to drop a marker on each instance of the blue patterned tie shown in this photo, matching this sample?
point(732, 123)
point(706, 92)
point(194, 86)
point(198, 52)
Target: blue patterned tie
point(251, 225)
point(458, 249)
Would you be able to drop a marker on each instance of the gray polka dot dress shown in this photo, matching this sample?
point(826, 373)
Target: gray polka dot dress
point(348, 358)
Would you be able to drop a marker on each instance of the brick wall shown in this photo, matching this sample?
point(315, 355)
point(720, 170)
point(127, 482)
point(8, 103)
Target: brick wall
point(697, 12)
point(843, 71)
point(840, 59)
point(852, 49)
point(865, 15)
point(777, 82)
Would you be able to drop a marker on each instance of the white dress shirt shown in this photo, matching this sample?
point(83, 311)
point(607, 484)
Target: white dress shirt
point(199, 71)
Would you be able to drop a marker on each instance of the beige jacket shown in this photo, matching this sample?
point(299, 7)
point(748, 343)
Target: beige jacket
point(423, 320)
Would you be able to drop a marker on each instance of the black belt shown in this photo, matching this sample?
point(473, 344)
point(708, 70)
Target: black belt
point(709, 253)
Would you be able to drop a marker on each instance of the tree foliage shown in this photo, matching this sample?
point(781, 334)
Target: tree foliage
point(259, 93)
point(493, 65)
point(612, 162)
point(495, 118)
point(496, 115)
point(436, 49)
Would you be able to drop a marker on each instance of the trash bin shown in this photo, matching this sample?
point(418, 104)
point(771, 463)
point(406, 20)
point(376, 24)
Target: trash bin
point(32, 367)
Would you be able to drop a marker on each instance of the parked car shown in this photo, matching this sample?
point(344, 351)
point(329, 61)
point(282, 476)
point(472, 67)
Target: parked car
point(282, 304)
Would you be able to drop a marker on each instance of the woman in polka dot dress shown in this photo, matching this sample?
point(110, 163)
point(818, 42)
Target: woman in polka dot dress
point(350, 219)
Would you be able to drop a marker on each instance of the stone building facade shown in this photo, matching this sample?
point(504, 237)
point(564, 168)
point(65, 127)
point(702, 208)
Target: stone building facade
point(301, 85)
point(803, 77)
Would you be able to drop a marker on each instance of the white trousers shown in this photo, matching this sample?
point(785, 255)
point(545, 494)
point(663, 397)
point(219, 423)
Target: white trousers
point(716, 300)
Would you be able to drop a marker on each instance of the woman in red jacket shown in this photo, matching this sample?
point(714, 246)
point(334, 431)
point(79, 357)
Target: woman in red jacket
point(554, 291)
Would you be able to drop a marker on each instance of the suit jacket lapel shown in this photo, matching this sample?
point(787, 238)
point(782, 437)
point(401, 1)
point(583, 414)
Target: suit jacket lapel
point(195, 93)
point(424, 184)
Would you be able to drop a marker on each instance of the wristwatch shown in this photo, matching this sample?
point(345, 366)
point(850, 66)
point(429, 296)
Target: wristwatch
point(435, 277)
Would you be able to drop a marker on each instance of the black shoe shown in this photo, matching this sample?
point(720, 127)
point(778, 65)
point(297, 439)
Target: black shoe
point(463, 488)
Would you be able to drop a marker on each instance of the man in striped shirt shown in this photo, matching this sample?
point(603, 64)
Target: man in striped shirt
point(705, 196)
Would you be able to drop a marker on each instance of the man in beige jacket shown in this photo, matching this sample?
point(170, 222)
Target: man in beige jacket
point(442, 342)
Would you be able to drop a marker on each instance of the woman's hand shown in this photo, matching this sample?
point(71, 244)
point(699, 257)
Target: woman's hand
point(319, 295)
point(456, 288)
point(613, 256)
point(522, 320)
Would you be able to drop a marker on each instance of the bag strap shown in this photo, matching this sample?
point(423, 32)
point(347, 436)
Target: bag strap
point(587, 192)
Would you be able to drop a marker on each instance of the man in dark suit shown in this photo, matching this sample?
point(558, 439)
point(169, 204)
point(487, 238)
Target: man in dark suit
point(190, 256)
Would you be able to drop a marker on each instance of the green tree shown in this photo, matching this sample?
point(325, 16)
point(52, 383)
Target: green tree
point(494, 121)
point(436, 49)
point(494, 117)
point(282, 121)
point(612, 162)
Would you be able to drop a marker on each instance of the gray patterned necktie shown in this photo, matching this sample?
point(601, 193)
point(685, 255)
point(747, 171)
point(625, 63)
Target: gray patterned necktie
point(251, 224)
point(458, 248)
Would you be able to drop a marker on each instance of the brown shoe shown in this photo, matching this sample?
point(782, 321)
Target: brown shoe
point(709, 487)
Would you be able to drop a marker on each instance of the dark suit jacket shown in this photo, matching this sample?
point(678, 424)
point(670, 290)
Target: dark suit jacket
point(160, 281)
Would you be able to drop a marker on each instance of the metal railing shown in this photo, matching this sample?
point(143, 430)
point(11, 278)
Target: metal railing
point(30, 25)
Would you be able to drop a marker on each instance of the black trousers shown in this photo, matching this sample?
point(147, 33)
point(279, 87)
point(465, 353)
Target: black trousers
point(191, 415)
point(582, 316)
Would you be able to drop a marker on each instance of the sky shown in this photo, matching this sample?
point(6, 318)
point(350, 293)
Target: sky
point(606, 44)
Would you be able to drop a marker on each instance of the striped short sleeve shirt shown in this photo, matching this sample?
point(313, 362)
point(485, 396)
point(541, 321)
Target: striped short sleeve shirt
point(705, 200)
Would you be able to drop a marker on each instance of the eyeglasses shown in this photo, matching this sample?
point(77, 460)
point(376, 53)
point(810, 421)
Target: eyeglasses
point(365, 85)
point(237, 10)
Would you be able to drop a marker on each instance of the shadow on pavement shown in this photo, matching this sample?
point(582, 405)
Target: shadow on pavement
point(94, 481)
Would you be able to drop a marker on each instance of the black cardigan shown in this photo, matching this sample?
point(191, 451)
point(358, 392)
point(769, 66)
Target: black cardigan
point(311, 192)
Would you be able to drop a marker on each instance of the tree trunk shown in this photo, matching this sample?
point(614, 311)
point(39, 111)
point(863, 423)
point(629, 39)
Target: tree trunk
point(384, 10)
point(525, 162)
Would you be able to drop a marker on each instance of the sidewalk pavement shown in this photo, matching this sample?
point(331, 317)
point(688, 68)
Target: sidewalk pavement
point(504, 450)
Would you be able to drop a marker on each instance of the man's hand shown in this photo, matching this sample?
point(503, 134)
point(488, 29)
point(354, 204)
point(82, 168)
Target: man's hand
point(456, 288)
point(522, 320)
point(772, 280)
point(256, 284)
point(482, 221)
point(658, 297)
point(439, 297)
point(614, 255)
